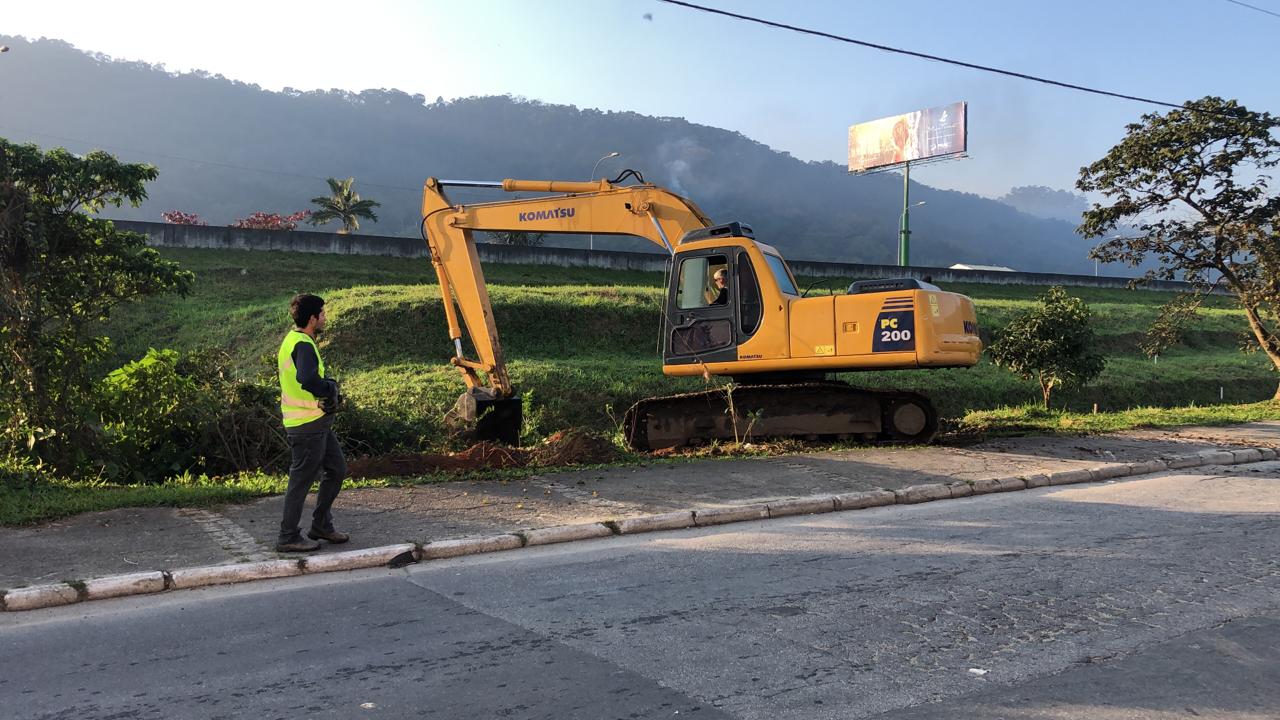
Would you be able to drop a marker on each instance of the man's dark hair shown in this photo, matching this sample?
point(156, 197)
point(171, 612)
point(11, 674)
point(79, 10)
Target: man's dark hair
point(303, 307)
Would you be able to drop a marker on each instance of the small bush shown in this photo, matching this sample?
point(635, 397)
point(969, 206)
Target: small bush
point(19, 473)
point(1053, 342)
point(169, 413)
point(370, 430)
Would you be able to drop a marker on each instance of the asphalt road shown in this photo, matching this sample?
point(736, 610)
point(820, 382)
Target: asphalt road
point(1157, 597)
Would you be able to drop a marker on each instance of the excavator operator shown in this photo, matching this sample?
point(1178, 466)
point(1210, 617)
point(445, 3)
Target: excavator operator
point(721, 280)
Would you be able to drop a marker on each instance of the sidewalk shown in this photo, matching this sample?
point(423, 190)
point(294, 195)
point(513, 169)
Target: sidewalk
point(124, 541)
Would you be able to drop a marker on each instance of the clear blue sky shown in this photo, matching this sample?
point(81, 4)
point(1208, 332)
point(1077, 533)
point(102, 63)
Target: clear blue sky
point(794, 93)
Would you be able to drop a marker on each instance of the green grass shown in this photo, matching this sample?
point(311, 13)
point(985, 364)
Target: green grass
point(1035, 420)
point(49, 497)
point(582, 342)
point(54, 498)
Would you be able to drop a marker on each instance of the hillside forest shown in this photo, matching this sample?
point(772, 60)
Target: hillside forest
point(226, 149)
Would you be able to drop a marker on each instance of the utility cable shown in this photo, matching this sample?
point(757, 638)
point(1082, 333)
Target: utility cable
point(1254, 7)
point(912, 53)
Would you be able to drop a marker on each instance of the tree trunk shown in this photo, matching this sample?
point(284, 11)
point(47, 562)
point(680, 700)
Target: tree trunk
point(1045, 389)
point(1265, 339)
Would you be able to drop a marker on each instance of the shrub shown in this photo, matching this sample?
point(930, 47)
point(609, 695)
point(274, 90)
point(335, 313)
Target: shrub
point(1053, 342)
point(272, 221)
point(19, 472)
point(169, 413)
point(177, 217)
point(371, 430)
point(62, 273)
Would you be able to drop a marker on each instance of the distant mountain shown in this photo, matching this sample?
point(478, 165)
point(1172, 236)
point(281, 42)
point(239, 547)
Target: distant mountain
point(1045, 202)
point(226, 149)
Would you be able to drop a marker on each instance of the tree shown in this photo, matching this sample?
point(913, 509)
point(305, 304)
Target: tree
point(62, 272)
point(1052, 342)
point(1046, 202)
point(343, 205)
point(1192, 184)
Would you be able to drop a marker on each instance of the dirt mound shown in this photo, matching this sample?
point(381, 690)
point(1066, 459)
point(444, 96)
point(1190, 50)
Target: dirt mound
point(575, 447)
point(490, 455)
point(568, 447)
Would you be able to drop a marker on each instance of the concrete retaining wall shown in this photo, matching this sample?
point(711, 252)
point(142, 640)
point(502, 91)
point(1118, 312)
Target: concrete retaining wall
point(229, 238)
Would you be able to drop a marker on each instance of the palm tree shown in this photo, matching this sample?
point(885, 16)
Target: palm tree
point(343, 205)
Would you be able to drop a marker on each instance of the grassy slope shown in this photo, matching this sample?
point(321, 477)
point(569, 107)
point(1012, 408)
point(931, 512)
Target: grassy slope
point(581, 341)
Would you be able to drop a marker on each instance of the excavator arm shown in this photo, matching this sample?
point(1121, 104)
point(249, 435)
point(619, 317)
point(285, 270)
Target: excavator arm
point(600, 208)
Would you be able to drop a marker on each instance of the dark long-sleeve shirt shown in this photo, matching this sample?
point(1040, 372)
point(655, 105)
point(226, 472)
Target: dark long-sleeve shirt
point(307, 367)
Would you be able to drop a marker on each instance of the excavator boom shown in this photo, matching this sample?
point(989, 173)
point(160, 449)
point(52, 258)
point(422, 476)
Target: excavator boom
point(600, 208)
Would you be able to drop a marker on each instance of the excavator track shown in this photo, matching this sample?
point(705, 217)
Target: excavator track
point(814, 410)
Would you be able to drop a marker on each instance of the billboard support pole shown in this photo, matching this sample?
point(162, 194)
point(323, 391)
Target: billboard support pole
point(904, 237)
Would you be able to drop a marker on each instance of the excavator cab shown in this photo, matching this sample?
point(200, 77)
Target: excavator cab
point(713, 303)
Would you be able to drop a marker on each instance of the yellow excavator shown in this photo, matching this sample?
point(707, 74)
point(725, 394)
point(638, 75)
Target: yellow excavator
point(731, 309)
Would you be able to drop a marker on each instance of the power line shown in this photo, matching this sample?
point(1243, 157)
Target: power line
point(912, 53)
point(1254, 7)
point(147, 153)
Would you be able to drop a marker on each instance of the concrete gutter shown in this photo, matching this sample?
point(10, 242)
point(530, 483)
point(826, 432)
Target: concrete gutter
point(141, 583)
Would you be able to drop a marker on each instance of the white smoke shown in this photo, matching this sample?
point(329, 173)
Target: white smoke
point(678, 158)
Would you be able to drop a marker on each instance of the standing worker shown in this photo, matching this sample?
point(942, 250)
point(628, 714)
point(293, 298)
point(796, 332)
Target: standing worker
point(308, 401)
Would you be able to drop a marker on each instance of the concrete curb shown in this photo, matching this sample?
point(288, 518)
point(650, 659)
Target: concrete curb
point(1181, 462)
point(228, 574)
point(1069, 477)
point(40, 596)
point(922, 493)
point(802, 506)
point(1035, 481)
point(865, 499)
point(649, 523)
point(66, 593)
point(141, 583)
point(565, 533)
point(356, 559)
point(470, 546)
point(737, 513)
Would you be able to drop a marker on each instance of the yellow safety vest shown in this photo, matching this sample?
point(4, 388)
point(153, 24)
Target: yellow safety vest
point(297, 406)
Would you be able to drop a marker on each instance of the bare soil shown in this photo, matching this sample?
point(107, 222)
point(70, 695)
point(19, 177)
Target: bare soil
point(562, 449)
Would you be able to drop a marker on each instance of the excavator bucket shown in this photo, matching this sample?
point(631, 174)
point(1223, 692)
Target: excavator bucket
point(486, 417)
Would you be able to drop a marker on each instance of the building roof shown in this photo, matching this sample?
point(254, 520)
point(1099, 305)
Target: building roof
point(992, 268)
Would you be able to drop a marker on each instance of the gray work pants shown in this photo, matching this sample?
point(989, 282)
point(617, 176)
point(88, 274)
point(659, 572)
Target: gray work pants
point(315, 455)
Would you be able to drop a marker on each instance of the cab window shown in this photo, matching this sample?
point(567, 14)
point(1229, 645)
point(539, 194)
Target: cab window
point(781, 274)
point(702, 282)
point(749, 306)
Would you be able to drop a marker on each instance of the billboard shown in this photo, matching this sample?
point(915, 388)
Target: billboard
point(921, 135)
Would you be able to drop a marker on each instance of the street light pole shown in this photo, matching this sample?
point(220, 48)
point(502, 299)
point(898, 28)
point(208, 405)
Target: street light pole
point(591, 239)
point(904, 234)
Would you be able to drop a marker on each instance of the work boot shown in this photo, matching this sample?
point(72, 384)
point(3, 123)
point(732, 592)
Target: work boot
point(333, 536)
point(297, 545)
